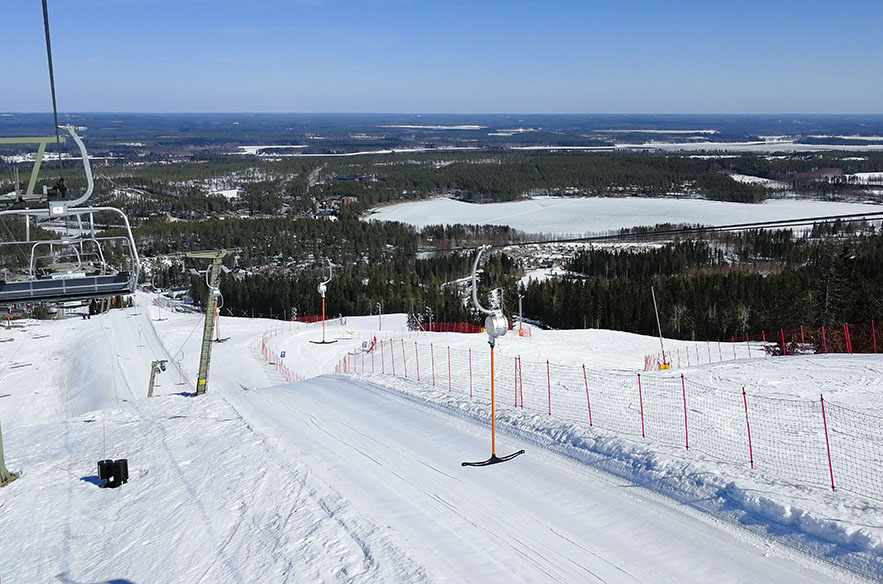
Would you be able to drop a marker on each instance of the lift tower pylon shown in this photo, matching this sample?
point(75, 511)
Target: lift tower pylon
point(212, 278)
point(6, 477)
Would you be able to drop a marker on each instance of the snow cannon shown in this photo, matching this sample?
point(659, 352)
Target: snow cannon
point(496, 326)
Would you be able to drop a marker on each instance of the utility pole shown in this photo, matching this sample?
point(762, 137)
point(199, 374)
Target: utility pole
point(659, 326)
point(521, 315)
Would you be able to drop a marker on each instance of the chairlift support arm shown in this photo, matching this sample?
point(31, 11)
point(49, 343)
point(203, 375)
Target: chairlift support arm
point(41, 141)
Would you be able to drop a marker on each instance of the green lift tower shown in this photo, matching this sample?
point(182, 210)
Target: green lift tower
point(212, 279)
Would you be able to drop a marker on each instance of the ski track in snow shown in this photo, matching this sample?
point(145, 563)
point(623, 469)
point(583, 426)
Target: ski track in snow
point(342, 479)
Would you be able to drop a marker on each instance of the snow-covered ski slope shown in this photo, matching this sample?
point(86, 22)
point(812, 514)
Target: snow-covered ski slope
point(358, 478)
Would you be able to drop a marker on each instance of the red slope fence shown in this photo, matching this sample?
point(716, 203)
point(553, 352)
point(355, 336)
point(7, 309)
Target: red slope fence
point(274, 357)
point(798, 441)
point(847, 338)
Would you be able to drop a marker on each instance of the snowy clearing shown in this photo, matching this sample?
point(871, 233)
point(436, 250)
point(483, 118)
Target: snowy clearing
point(578, 216)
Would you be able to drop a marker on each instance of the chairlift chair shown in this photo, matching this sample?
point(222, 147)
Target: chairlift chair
point(70, 266)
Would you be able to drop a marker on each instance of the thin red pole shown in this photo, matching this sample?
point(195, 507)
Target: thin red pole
point(404, 358)
point(449, 368)
point(520, 382)
point(432, 354)
point(372, 357)
point(516, 381)
point(392, 355)
point(848, 343)
point(549, 384)
point(686, 434)
point(382, 361)
point(748, 425)
point(588, 403)
point(827, 442)
point(641, 398)
point(824, 340)
point(417, 357)
point(470, 372)
point(784, 352)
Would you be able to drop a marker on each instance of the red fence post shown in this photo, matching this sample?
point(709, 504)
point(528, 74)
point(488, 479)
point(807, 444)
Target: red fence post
point(470, 372)
point(520, 382)
point(588, 403)
point(748, 426)
point(392, 355)
point(549, 384)
point(449, 368)
point(641, 399)
point(417, 357)
point(686, 433)
point(848, 343)
point(784, 351)
point(827, 442)
point(432, 355)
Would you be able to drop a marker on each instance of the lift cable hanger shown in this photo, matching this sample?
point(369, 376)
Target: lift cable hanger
point(496, 326)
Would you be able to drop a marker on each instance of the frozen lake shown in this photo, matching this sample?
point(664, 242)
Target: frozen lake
point(561, 215)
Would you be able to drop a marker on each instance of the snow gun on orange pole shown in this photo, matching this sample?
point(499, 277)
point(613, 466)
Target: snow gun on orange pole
point(496, 326)
point(322, 289)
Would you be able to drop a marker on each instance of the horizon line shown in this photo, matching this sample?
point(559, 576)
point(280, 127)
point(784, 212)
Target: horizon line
point(368, 113)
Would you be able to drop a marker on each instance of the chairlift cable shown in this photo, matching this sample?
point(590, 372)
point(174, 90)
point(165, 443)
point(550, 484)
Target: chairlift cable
point(52, 87)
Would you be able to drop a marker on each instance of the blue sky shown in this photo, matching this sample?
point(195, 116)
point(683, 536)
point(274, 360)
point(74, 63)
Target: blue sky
point(451, 56)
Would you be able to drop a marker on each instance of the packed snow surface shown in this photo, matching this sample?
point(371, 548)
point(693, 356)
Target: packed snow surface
point(357, 478)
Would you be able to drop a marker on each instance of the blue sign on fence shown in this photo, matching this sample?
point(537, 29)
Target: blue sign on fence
point(282, 356)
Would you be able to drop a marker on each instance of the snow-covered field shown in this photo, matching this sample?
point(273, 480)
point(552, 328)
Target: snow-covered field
point(358, 478)
point(757, 180)
point(592, 214)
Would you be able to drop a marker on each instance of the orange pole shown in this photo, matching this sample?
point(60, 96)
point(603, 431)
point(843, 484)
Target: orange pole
point(493, 414)
point(217, 324)
point(323, 319)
